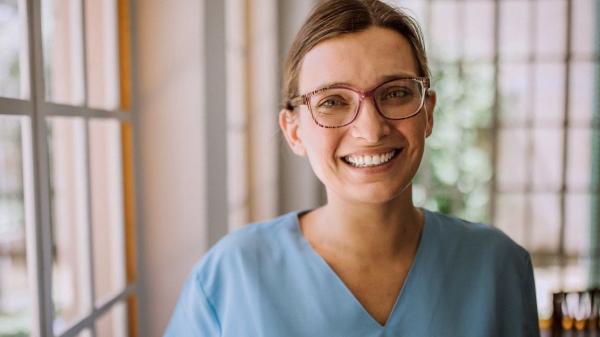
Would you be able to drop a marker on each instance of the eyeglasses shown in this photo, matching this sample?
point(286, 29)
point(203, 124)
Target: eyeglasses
point(336, 106)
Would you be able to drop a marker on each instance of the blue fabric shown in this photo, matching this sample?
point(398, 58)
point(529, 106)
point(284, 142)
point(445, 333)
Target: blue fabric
point(265, 280)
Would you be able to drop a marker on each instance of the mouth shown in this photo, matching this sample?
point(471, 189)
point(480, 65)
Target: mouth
point(363, 161)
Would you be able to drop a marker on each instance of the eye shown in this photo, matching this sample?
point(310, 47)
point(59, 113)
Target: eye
point(396, 93)
point(332, 102)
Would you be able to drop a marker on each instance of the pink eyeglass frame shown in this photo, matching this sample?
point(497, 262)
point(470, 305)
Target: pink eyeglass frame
point(305, 98)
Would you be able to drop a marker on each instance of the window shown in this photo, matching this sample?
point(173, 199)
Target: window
point(67, 216)
point(517, 83)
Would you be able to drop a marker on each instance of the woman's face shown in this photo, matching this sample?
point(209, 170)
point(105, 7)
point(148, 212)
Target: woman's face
point(361, 60)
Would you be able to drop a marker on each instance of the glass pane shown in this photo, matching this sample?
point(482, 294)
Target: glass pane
point(578, 233)
point(457, 166)
point(85, 333)
point(513, 162)
point(582, 94)
point(583, 25)
point(544, 232)
point(478, 96)
point(113, 323)
point(515, 18)
point(549, 95)
point(62, 51)
point(106, 173)
point(510, 213)
point(71, 291)
point(479, 29)
point(547, 159)
point(15, 285)
point(515, 96)
point(445, 30)
point(577, 274)
point(101, 52)
point(14, 70)
point(579, 161)
point(551, 19)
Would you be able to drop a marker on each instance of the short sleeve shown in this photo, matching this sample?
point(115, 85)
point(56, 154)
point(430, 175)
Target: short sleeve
point(194, 315)
point(530, 311)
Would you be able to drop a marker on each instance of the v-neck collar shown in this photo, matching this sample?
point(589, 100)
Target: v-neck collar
point(401, 300)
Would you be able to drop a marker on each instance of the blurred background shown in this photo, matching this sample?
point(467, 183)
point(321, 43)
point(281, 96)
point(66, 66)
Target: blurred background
point(135, 134)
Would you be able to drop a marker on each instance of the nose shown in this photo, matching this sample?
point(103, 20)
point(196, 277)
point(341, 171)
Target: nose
point(369, 124)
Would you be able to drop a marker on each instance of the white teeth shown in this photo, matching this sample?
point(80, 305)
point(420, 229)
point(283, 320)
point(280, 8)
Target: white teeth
point(368, 161)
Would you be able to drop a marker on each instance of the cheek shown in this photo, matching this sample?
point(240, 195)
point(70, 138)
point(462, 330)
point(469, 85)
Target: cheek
point(321, 146)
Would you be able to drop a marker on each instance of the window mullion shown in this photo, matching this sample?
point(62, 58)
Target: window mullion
point(41, 213)
point(495, 112)
point(84, 54)
point(89, 230)
point(565, 139)
point(88, 182)
point(12, 106)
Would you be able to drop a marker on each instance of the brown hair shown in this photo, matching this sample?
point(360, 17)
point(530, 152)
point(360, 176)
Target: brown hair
point(333, 18)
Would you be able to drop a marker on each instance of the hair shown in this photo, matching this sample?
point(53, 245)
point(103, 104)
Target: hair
point(331, 18)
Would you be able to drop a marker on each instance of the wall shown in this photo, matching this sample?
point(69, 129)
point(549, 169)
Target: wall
point(170, 102)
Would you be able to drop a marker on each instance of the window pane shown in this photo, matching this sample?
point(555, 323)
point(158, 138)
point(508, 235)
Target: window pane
point(544, 232)
point(101, 53)
point(582, 94)
point(445, 30)
point(549, 95)
point(551, 19)
point(478, 95)
point(479, 29)
point(71, 261)
point(579, 159)
point(62, 51)
point(113, 323)
point(106, 170)
point(584, 20)
point(510, 215)
point(515, 24)
point(85, 333)
point(15, 285)
point(515, 94)
point(14, 74)
point(547, 159)
point(512, 162)
point(578, 231)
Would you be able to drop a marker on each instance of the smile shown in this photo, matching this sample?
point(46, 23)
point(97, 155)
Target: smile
point(370, 160)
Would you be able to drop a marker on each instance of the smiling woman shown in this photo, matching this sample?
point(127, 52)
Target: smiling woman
point(359, 106)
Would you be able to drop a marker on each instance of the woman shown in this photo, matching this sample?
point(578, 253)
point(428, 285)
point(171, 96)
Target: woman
point(368, 263)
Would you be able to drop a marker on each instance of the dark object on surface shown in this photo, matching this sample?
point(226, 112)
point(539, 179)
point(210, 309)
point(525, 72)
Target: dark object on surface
point(576, 314)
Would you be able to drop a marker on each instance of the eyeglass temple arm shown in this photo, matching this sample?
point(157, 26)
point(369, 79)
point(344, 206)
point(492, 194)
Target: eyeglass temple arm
point(294, 102)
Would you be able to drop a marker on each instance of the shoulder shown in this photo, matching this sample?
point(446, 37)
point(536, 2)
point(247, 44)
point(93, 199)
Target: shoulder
point(244, 249)
point(476, 240)
point(255, 237)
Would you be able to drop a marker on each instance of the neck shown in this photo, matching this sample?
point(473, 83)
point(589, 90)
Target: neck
point(368, 231)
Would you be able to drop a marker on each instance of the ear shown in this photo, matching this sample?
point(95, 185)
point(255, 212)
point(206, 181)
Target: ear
point(429, 106)
point(290, 124)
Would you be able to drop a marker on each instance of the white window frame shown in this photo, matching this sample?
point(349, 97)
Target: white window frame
point(36, 181)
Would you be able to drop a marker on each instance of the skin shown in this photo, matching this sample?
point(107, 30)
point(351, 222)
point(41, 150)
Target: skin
point(369, 230)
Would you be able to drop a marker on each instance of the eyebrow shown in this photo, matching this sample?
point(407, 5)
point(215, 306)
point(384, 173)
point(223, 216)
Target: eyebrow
point(379, 80)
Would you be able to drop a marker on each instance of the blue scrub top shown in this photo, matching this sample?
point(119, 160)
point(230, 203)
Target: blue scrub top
point(467, 280)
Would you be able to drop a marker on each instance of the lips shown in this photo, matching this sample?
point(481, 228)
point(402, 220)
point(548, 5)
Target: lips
point(370, 160)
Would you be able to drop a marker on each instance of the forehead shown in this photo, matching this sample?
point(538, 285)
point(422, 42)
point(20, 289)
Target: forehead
point(359, 59)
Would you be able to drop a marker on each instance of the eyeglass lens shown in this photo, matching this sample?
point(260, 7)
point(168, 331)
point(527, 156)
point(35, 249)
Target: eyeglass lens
point(395, 100)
